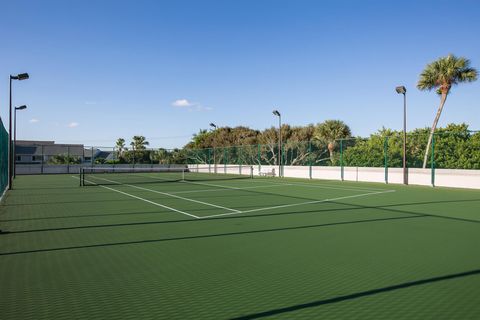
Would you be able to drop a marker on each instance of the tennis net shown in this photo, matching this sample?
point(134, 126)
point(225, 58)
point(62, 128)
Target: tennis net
point(91, 176)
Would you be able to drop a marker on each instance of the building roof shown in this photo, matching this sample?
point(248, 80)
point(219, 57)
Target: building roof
point(47, 148)
point(33, 143)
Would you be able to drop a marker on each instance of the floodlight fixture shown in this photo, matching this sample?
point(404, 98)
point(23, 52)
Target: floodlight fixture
point(20, 76)
point(401, 89)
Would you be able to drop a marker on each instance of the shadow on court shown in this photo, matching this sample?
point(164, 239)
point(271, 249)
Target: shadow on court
point(357, 295)
point(347, 207)
point(206, 236)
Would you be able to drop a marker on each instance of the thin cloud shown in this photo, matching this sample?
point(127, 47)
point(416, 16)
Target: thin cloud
point(33, 120)
point(73, 124)
point(190, 106)
point(182, 103)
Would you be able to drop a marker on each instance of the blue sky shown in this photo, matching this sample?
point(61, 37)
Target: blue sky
point(164, 69)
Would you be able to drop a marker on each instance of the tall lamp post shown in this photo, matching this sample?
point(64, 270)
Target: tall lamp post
point(403, 90)
point(213, 125)
point(15, 138)
point(21, 76)
point(276, 113)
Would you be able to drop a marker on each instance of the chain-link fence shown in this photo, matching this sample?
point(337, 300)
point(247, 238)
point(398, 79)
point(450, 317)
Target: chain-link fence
point(377, 156)
point(3, 158)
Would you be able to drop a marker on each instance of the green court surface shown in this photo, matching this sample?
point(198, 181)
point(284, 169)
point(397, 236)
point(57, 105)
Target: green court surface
point(262, 248)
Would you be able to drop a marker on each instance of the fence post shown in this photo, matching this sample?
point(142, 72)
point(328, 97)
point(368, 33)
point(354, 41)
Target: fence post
point(43, 158)
point(225, 160)
point(282, 154)
point(310, 159)
point(341, 159)
point(385, 152)
point(239, 160)
point(68, 159)
point(209, 160)
point(433, 160)
point(214, 160)
point(259, 156)
point(133, 166)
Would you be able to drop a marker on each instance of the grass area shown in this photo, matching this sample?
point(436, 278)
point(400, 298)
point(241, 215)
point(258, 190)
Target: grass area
point(247, 249)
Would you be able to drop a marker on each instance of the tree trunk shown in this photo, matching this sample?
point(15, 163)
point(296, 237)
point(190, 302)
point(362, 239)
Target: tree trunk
point(331, 147)
point(434, 126)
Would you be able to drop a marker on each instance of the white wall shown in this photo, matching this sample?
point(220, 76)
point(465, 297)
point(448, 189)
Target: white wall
point(454, 178)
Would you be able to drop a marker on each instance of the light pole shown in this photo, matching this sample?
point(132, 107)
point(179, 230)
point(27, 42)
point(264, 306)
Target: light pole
point(213, 125)
point(276, 113)
point(15, 138)
point(403, 90)
point(21, 76)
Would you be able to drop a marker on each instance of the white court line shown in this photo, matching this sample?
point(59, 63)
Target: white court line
point(142, 199)
point(173, 195)
point(296, 204)
point(299, 184)
point(225, 188)
point(230, 187)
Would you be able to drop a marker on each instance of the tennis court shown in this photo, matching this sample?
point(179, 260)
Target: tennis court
point(151, 246)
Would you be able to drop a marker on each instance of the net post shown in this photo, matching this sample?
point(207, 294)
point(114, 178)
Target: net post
point(91, 157)
point(80, 177)
point(251, 172)
point(385, 152)
point(433, 160)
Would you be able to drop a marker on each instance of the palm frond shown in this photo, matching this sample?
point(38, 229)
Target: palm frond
point(446, 72)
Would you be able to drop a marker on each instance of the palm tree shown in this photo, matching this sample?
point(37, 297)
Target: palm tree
point(442, 75)
point(330, 131)
point(120, 146)
point(139, 143)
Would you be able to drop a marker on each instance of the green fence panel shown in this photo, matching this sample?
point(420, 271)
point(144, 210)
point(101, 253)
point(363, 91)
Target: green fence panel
point(3, 158)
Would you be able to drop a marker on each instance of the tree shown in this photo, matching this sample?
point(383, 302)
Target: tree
point(138, 153)
point(64, 159)
point(330, 131)
point(139, 143)
point(442, 75)
point(120, 146)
